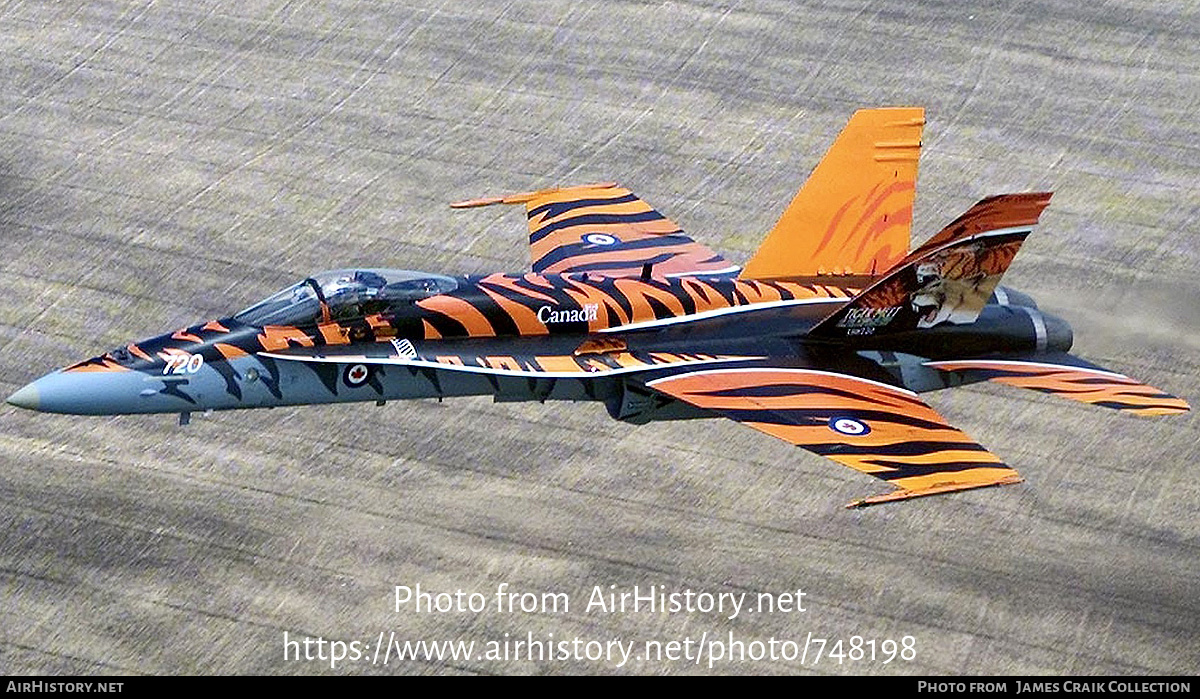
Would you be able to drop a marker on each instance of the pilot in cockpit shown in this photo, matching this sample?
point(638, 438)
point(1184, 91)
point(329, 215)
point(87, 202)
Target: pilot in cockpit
point(355, 295)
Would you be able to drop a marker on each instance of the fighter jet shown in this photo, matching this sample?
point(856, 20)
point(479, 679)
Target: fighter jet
point(823, 339)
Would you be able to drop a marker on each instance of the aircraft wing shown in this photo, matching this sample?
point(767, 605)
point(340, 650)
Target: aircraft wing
point(608, 230)
point(870, 426)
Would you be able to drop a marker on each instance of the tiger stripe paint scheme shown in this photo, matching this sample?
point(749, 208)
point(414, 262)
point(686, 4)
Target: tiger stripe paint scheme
point(625, 309)
point(871, 427)
point(614, 233)
point(497, 305)
point(1079, 383)
point(505, 305)
point(951, 276)
point(859, 224)
point(544, 365)
point(607, 230)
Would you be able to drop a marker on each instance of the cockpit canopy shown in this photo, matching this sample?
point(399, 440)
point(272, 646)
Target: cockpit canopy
point(345, 294)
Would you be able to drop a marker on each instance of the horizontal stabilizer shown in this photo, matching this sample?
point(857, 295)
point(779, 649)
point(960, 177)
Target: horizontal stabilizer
point(1069, 377)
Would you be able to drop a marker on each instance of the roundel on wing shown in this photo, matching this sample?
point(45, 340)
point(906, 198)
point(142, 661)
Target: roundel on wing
point(600, 239)
point(848, 426)
point(356, 375)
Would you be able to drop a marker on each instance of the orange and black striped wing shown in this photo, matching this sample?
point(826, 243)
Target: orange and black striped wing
point(1080, 383)
point(869, 426)
point(610, 231)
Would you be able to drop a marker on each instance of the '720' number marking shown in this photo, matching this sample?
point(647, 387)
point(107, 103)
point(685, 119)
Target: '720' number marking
point(183, 364)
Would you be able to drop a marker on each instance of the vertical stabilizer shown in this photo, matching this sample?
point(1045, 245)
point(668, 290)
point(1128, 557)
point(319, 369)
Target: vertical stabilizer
point(854, 214)
point(946, 280)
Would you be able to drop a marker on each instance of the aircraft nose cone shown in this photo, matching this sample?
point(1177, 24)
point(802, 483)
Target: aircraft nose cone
point(27, 398)
point(81, 393)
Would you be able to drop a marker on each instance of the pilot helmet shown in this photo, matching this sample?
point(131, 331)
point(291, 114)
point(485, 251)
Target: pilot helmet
point(353, 286)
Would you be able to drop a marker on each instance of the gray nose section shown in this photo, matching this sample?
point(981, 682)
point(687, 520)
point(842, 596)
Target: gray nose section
point(27, 398)
point(82, 393)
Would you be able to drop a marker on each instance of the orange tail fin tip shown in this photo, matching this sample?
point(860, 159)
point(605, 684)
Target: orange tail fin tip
point(854, 214)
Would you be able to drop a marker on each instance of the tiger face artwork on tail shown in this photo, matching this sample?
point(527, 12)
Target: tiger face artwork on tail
point(953, 286)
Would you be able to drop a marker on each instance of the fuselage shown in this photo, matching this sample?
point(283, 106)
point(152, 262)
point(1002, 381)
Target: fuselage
point(377, 335)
